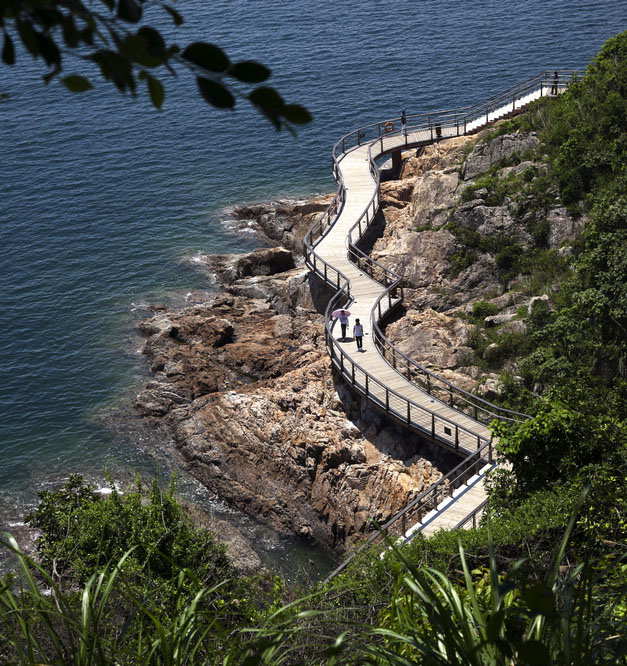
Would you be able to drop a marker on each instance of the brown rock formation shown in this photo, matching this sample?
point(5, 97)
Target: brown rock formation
point(285, 221)
point(243, 382)
point(244, 387)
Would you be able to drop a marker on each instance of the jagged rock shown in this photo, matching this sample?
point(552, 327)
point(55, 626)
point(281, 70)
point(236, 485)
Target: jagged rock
point(515, 326)
point(497, 320)
point(490, 388)
point(260, 262)
point(246, 392)
point(430, 336)
point(434, 195)
point(484, 155)
point(268, 444)
point(422, 257)
point(491, 221)
point(285, 221)
point(563, 227)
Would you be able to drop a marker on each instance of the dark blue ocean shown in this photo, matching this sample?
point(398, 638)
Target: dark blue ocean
point(104, 201)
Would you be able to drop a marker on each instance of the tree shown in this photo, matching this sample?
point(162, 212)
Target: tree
point(109, 35)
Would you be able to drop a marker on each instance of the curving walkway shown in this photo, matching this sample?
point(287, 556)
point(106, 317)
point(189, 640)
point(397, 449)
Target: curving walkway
point(331, 251)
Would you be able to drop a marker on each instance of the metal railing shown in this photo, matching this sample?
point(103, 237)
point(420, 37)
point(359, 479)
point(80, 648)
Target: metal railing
point(456, 122)
point(411, 516)
point(474, 406)
point(474, 516)
point(395, 405)
point(446, 123)
point(423, 129)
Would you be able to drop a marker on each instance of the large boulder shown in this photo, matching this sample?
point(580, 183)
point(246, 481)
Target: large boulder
point(485, 154)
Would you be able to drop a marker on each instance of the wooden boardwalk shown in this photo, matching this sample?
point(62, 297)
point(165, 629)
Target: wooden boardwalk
point(368, 371)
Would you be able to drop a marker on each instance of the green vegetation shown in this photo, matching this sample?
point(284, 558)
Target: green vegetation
point(542, 581)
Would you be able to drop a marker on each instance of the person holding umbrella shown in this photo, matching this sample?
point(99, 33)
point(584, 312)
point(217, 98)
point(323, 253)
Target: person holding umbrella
point(344, 321)
point(342, 315)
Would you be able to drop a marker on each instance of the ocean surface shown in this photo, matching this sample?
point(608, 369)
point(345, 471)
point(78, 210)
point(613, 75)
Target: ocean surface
point(105, 202)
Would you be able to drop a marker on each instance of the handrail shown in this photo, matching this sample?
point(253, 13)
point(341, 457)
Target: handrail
point(462, 116)
point(427, 501)
point(434, 126)
point(480, 409)
point(409, 413)
point(379, 272)
point(473, 515)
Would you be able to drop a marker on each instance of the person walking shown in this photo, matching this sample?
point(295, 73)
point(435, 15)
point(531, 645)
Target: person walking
point(343, 322)
point(358, 334)
point(403, 124)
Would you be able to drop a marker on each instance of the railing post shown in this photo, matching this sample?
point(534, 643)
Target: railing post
point(450, 395)
point(325, 272)
point(408, 412)
point(403, 524)
point(366, 386)
point(387, 399)
point(353, 374)
point(456, 438)
point(408, 370)
point(432, 424)
point(428, 383)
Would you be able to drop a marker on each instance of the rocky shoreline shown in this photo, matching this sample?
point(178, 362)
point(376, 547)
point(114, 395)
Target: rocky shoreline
point(242, 382)
point(244, 386)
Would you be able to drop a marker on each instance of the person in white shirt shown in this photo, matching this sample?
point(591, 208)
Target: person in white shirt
point(358, 334)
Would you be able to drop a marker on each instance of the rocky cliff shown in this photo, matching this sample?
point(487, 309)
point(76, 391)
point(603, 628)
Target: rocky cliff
point(458, 209)
point(244, 386)
point(243, 383)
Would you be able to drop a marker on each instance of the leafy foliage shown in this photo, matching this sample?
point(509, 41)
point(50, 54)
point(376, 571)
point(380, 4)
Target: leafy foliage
point(83, 532)
point(110, 36)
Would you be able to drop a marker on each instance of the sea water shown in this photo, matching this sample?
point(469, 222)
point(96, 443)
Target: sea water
point(105, 202)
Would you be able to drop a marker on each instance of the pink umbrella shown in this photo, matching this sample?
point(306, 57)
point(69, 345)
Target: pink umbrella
point(338, 313)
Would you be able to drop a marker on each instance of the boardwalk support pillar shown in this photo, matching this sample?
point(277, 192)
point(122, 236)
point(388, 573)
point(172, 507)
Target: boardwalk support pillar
point(396, 162)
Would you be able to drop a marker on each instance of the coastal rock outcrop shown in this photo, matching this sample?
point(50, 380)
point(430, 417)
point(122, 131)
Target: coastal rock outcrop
point(245, 389)
point(243, 384)
point(284, 221)
point(423, 233)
